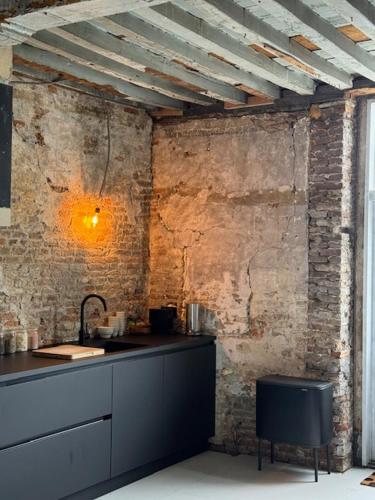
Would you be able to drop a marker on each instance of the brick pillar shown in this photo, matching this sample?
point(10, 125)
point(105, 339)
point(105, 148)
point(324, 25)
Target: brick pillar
point(331, 266)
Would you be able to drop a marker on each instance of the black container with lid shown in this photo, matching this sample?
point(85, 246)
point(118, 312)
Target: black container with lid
point(295, 411)
point(163, 320)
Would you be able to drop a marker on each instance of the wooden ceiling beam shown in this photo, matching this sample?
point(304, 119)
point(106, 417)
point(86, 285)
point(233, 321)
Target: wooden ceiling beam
point(361, 13)
point(21, 70)
point(88, 58)
point(93, 37)
point(196, 31)
point(249, 26)
point(252, 102)
point(326, 36)
point(63, 65)
point(162, 113)
point(173, 48)
point(17, 28)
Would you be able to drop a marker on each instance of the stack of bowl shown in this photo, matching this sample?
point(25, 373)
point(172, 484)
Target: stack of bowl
point(121, 322)
point(114, 322)
point(116, 325)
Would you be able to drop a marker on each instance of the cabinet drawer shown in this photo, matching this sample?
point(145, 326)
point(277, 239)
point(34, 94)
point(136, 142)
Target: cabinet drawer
point(40, 407)
point(55, 466)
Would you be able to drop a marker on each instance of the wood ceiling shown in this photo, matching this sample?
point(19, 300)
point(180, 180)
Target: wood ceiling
point(171, 56)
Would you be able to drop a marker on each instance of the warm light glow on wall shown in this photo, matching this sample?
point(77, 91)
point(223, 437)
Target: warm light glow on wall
point(87, 220)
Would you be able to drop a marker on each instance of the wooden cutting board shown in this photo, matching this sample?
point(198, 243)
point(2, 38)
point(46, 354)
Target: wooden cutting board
point(68, 351)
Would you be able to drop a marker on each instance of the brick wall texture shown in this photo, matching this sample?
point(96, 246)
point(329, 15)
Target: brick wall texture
point(252, 216)
point(249, 215)
point(48, 262)
point(329, 346)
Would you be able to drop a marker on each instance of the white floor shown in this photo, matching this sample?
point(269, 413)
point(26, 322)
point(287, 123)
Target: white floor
point(216, 476)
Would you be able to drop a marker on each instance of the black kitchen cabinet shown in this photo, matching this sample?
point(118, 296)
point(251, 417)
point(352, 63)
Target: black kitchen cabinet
point(137, 417)
point(55, 466)
point(81, 432)
point(189, 397)
point(162, 406)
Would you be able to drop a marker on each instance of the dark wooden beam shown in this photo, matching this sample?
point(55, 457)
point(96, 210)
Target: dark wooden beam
point(289, 101)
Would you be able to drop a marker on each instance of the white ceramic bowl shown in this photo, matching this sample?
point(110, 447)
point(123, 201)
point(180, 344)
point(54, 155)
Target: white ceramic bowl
point(105, 332)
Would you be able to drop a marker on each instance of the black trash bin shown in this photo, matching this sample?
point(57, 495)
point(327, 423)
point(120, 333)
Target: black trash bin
point(295, 411)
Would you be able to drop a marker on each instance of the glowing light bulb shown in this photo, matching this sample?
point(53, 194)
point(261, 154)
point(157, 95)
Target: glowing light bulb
point(95, 218)
point(91, 221)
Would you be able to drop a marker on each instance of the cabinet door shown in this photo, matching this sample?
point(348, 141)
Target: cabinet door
point(38, 407)
point(137, 413)
point(56, 466)
point(189, 397)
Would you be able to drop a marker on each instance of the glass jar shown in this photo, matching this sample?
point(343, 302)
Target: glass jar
point(33, 339)
point(21, 339)
point(2, 343)
point(10, 342)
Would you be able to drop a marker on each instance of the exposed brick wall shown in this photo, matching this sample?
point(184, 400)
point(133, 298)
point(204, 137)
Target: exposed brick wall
point(329, 347)
point(59, 156)
point(251, 217)
point(229, 230)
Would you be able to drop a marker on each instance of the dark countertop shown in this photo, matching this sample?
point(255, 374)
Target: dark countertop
point(23, 365)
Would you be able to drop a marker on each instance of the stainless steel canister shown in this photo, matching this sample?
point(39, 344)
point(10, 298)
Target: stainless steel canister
point(195, 317)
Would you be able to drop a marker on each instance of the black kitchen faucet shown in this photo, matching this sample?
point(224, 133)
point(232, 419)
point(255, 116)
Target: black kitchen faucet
point(83, 330)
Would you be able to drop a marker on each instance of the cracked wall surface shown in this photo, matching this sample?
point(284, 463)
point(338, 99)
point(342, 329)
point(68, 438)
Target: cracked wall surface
point(229, 230)
point(251, 217)
point(48, 260)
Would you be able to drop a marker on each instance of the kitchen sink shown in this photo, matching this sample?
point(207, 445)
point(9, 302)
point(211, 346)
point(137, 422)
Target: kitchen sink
point(120, 346)
point(113, 346)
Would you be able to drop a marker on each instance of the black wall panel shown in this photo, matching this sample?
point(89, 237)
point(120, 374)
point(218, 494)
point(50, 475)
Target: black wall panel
point(5, 143)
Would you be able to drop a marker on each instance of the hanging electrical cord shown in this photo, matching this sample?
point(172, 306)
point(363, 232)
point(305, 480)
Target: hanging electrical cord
point(93, 220)
point(108, 154)
point(90, 221)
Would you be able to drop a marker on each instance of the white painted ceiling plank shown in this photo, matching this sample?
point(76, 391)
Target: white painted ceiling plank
point(204, 10)
point(249, 27)
point(5, 41)
point(323, 9)
point(76, 53)
point(291, 26)
point(175, 48)
point(358, 12)
point(97, 40)
point(324, 35)
point(19, 28)
point(63, 65)
point(87, 36)
point(199, 33)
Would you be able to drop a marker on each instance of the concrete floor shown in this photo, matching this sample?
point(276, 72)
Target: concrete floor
point(216, 476)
